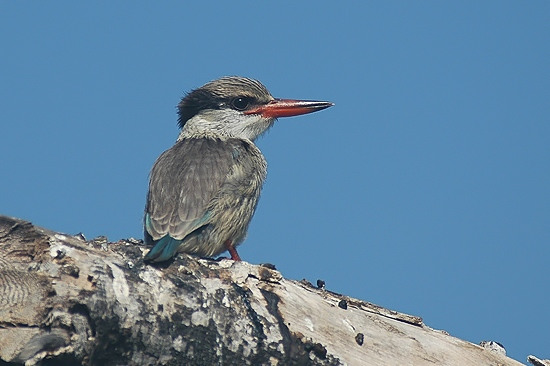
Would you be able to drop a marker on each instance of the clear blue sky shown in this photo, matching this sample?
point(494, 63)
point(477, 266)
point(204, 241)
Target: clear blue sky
point(425, 189)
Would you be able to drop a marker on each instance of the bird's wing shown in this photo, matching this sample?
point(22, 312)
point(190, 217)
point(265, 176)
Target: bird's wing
point(183, 181)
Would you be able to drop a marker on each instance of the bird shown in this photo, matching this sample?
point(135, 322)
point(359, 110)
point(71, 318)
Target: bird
point(203, 191)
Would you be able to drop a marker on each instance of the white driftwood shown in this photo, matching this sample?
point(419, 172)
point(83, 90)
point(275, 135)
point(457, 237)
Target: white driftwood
point(72, 301)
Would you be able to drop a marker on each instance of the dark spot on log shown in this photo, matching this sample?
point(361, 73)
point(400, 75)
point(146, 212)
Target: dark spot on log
point(51, 292)
point(71, 270)
point(265, 274)
point(359, 338)
point(306, 283)
point(318, 349)
point(60, 254)
point(80, 236)
point(268, 266)
point(343, 304)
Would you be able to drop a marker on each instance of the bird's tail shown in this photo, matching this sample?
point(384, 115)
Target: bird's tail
point(164, 249)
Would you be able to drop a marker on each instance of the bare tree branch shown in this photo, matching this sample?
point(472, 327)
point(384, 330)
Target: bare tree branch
point(66, 301)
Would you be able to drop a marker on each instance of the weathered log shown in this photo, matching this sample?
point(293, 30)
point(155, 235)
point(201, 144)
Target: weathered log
point(67, 301)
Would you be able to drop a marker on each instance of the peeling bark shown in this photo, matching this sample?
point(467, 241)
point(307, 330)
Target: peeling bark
point(67, 301)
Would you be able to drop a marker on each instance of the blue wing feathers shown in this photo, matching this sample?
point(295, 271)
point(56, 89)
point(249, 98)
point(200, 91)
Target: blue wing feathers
point(167, 247)
point(164, 249)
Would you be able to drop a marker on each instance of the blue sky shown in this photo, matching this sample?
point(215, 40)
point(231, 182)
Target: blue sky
point(425, 189)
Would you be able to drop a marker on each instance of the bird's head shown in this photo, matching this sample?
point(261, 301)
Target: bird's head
point(236, 107)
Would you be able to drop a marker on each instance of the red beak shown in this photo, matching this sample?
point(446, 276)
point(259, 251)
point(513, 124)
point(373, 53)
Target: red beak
point(288, 107)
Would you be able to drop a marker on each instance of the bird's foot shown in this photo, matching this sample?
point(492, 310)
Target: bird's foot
point(231, 249)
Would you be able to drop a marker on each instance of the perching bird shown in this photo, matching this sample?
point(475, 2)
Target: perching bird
point(203, 191)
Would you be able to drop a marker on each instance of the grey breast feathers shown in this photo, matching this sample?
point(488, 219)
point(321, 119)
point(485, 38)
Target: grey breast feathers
point(186, 178)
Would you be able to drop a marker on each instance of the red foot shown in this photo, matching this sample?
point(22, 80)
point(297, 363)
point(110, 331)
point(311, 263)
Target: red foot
point(231, 249)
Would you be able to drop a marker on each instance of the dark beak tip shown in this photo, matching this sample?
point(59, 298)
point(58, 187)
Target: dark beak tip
point(323, 105)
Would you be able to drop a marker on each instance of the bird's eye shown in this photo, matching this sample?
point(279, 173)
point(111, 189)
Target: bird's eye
point(240, 103)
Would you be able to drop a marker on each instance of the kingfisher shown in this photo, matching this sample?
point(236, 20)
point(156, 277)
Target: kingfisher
point(203, 191)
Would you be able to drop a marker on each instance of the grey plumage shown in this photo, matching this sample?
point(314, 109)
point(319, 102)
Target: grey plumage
point(204, 190)
point(202, 181)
